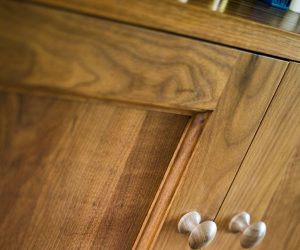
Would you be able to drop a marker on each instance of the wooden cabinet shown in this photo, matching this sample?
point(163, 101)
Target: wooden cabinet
point(110, 132)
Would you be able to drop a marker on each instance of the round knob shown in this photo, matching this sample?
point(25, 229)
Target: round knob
point(201, 234)
point(253, 234)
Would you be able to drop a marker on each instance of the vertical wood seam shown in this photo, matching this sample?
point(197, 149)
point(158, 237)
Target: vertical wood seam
point(260, 123)
point(170, 183)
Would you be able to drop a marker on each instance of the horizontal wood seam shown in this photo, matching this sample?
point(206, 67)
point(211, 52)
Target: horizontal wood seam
point(80, 97)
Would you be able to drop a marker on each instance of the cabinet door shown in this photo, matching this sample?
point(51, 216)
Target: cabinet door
point(267, 185)
point(79, 174)
point(219, 152)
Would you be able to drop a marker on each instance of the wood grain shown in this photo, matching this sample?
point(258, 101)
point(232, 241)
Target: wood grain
point(268, 183)
point(199, 21)
point(75, 54)
point(174, 173)
point(222, 145)
point(79, 175)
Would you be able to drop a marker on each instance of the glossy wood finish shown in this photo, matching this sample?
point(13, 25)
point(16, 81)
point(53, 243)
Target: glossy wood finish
point(198, 20)
point(254, 10)
point(79, 175)
point(222, 145)
point(267, 185)
point(75, 54)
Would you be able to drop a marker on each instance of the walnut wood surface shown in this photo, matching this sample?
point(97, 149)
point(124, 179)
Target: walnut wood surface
point(79, 175)
point(197, 19)
point(174, 173)
point(71, 53)
point(268, 183)
point(222, 145)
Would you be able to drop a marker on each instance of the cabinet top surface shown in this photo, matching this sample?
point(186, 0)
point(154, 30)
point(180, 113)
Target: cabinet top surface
point(251, 25)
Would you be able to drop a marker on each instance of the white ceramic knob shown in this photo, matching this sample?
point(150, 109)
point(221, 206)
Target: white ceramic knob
point(295, 6)
point(252, 234)
point(201, 234)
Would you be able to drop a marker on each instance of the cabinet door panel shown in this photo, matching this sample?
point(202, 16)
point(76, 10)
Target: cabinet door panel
point(268, 183)
point(79, 174)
